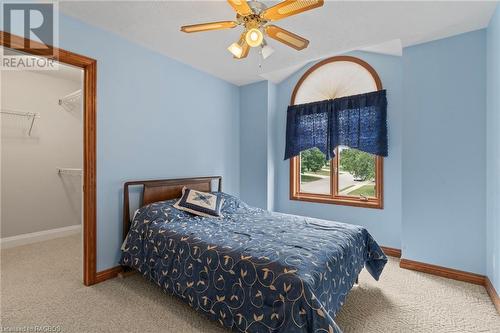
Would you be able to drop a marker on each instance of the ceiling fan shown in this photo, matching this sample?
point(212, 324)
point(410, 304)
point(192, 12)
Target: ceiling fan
point(254, 16)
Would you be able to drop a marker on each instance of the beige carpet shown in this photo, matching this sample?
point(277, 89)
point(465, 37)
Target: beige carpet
point(40, 285)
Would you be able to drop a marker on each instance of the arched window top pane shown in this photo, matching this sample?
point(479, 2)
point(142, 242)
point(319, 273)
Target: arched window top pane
point(333, 80)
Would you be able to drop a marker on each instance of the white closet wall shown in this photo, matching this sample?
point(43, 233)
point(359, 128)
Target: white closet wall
point(34, 196)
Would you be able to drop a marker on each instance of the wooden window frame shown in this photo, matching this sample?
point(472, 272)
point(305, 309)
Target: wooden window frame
point(334, 197)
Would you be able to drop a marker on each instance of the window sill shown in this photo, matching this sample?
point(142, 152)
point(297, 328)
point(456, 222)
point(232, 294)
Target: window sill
point(344, 201)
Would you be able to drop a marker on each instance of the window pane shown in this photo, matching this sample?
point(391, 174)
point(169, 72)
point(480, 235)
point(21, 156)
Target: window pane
point(356, 173)
point(314, 172)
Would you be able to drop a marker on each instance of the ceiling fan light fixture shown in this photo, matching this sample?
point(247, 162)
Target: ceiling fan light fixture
point(266, 51)
point(254, 37)
point(236, 50)
point(253, 16)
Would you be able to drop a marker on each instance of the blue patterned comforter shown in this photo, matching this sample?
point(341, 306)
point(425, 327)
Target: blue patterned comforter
point(253, 270)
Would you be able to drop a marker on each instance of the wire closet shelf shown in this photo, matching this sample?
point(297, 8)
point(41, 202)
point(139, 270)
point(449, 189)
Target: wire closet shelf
point(71, 101)
point(16, 113)
point(69, 171)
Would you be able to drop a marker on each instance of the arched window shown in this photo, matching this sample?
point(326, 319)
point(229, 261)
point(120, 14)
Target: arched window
point(353, 177)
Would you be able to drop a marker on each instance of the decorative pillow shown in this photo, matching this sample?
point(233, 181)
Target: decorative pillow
point(200, 203)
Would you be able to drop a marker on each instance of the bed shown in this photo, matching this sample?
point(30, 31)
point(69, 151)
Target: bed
point(252, 270)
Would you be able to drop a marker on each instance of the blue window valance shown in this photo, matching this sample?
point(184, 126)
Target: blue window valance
point(358, 121)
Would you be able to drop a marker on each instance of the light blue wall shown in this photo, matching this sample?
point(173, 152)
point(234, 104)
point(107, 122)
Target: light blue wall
point(437, 121)
point(444, 152)
point(156, 118)
point(271, 145)
point(384, 225)
point(253, 144)
point(257, 150)
point(493, 151)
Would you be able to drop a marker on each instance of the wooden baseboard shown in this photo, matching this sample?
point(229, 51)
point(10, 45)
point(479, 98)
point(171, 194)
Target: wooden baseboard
point(39, 236)
point(455, 275)
point(392, 252)
point(404, 263)
point(107, 274)
point(493, 294)
point(443, 272)
point(126, 271)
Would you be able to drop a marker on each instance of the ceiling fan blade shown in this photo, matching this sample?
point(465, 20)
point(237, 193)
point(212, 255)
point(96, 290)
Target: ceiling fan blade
point(289, 8)
point(286, 37)
point(241, 7)
point(209, 26)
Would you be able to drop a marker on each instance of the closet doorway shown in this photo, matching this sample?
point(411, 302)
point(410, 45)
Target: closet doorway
point(49, 152)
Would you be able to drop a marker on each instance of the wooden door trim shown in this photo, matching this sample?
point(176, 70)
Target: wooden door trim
point(89, 67)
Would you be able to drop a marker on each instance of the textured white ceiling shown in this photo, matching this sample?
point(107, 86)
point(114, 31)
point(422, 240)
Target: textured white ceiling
point(334, 28)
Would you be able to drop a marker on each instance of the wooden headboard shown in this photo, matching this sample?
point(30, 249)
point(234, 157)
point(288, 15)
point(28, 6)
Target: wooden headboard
point(163, 189)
